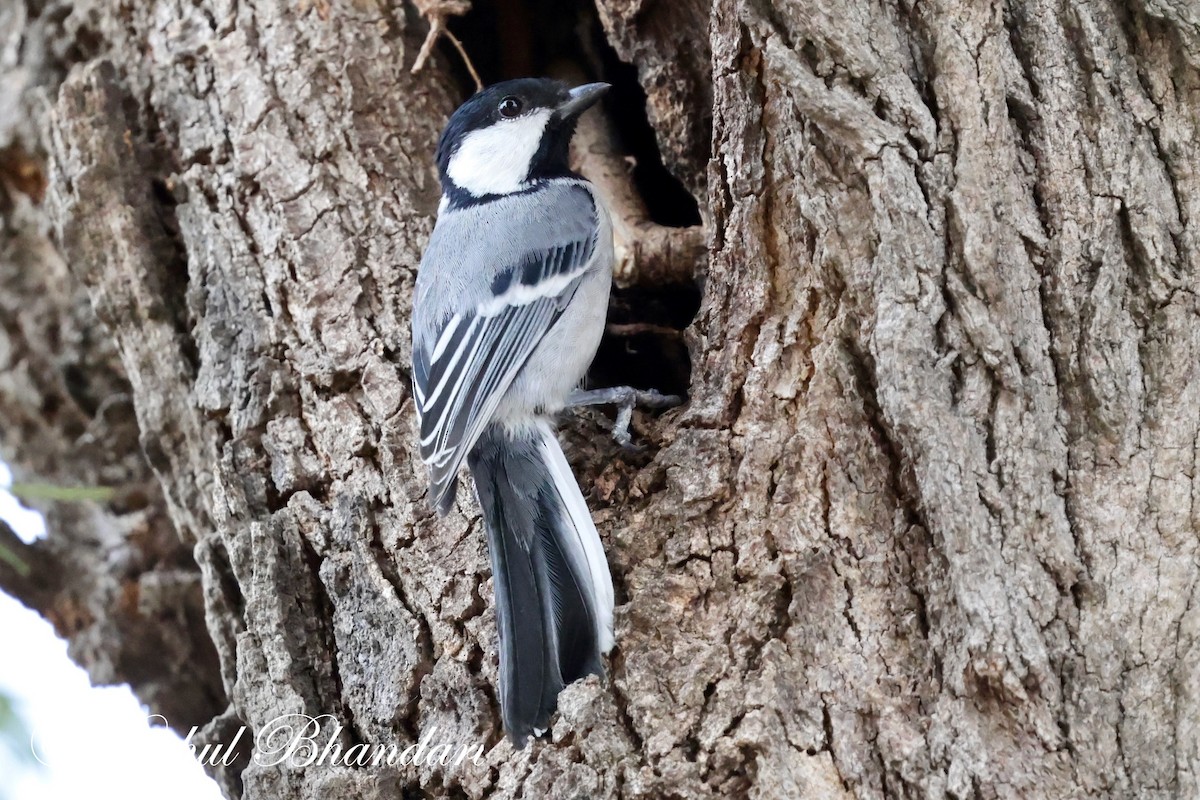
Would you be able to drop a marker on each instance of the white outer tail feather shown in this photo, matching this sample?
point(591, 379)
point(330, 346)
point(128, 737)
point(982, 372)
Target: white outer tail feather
point(588, 538)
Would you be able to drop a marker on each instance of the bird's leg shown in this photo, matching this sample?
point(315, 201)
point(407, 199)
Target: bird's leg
point(624, 398)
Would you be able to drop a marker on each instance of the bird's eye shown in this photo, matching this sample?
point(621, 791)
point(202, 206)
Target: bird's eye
point(510, 107)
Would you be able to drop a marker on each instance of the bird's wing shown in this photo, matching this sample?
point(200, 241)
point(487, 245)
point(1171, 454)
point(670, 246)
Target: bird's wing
point(461, 372)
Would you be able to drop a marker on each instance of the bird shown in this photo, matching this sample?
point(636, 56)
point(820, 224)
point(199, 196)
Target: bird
point(510, 303)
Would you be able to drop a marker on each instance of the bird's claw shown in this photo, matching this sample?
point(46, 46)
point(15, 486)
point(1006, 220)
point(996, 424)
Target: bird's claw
point(625, 398)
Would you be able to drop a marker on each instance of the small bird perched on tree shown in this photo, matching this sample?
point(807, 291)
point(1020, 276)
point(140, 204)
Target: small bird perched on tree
point(510, 305)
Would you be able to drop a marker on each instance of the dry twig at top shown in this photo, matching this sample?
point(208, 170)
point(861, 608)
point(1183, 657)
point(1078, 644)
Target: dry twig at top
point(436, 12)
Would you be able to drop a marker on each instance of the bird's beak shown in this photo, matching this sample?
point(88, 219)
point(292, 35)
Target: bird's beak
point(582, 98)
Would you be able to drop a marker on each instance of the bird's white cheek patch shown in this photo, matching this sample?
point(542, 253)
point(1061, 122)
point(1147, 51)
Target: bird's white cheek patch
point(495, 160)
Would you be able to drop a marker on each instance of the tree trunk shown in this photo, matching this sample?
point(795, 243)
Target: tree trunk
point(926, 526)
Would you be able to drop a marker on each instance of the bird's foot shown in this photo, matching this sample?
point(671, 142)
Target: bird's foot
point(625, 398)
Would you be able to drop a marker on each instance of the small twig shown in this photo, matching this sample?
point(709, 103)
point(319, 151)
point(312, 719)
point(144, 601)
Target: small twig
point(462, 51)
point(28, 572)
point(14, 561)
point(436, 13)
point(49, 491)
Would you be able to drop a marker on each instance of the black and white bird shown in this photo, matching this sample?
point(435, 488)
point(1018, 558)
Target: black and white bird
point(510, 304)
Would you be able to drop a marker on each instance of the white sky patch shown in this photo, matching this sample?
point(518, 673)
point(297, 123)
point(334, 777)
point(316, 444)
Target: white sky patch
point(495, 159)
point(25, 523)
point(96, 741)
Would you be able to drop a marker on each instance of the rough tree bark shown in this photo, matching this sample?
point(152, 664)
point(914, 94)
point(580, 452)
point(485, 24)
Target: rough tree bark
point(926, 527)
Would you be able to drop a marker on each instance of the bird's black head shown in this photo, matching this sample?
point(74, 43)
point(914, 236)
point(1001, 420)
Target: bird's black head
point(509, 135)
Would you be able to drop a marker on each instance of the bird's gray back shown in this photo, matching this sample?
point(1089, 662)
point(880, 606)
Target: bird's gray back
point(470, 247)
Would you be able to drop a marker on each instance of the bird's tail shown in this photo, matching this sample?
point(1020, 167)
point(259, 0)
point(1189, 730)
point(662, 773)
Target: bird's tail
point(554, 595)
